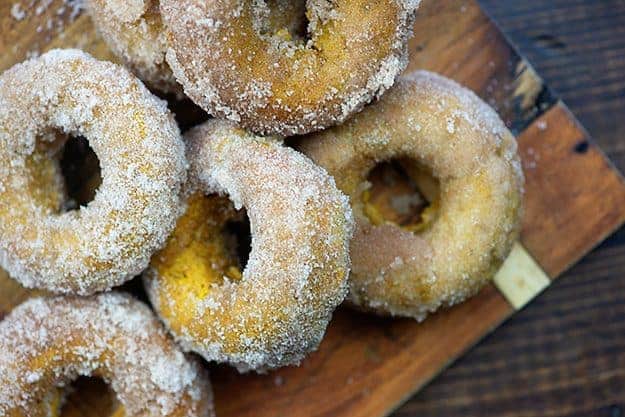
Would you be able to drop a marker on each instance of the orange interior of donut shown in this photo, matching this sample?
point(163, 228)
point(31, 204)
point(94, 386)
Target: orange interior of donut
point(201, 253)
point(325, 58)
point(43, 170)
point(401, 193)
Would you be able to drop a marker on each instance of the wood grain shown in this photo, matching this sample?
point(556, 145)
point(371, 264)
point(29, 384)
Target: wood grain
point(557, 155)
point(40, 30)
point(578, 46)
point(457, 39)
point(366, 366)
point(564, 355)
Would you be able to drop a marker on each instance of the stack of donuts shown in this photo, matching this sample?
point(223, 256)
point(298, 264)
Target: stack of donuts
point(306, 100)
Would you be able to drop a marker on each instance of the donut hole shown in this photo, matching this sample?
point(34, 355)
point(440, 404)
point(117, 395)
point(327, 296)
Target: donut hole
point(186, 112)
point(401, 192)
point(81, 172)
point(287, 20)
point(64, 171)
point(239, 237)
point(90, 391)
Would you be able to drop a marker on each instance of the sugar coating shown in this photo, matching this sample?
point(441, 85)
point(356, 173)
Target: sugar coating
point(275, 85)
point(49, 342)
point(448, 129)
point(135, 33)
point(297, 270)
point(142, 161)
point(17, 12)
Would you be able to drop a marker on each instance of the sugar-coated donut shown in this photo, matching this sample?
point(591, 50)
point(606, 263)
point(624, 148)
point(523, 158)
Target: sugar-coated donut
point(135, 33)
point(276, 310)
point(446, 130)
point(142, 161)
point(133, 30)
point(48, 342)
point(270, 84)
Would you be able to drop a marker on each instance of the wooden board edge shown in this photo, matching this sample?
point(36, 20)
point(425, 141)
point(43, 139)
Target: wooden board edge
point(608, 231)
point(590, 191)
point(491, 328)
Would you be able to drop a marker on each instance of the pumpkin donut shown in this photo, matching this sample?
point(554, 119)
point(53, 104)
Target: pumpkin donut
point(270, 84)
point(466, 162)
point(276, 310)
point(45, 343)
point(142, 161)
point(134, 31)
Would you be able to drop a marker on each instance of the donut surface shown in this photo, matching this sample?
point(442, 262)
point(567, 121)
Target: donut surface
point(142, 162)
point(46, 343)
point(276, 310)
point(134, 31)
point(270, 84)
point(475, 214)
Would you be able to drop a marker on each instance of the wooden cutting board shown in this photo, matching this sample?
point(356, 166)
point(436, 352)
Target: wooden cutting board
point(366, 366)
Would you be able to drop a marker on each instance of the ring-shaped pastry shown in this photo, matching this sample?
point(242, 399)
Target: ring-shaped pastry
point(447, 132)
point(270, 84)
point(46, 343)
point(143, 166)
point(134, 31)
point(276, 310)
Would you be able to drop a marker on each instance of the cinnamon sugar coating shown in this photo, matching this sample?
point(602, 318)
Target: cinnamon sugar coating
point(49, 342)
point(444, 127)
point(233, 68)
point(134, 31)
point(142, 161)
point(276, 310)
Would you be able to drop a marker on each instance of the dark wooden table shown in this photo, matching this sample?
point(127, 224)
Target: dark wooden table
point(564, 355)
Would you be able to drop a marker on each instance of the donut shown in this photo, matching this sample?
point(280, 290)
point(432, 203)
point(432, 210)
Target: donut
point(464, 159)
point(274, 85)
point(46, 343)
point(143, 166)
point(134, 32)
point(274, 311)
